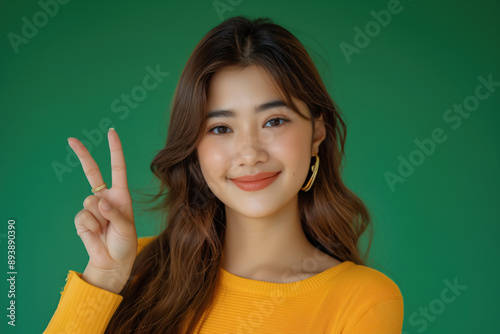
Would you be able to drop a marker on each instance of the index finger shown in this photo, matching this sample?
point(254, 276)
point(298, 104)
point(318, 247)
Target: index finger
point(90, 167)
point(118, 167)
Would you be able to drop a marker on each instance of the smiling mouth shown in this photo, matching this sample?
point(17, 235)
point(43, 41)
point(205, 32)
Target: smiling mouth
point(256, 177)
point(255, 184)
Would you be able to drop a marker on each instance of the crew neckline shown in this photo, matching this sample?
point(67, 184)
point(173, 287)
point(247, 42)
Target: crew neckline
point(235, 282)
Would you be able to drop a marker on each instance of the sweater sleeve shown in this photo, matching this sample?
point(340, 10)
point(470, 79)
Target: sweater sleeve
point(84, 308)
point(384, 317)
point(377, 305)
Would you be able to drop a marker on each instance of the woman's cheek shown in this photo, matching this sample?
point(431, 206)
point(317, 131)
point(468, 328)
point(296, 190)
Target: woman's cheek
point(214, 162)
point(293, 150)
point(292, 144)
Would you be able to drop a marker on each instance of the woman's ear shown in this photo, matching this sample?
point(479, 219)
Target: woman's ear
point(319, 134)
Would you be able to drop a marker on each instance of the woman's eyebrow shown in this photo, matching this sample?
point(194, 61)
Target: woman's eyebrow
point(259, 108)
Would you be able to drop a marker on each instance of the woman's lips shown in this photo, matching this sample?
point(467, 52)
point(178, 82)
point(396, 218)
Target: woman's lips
point(255, 185)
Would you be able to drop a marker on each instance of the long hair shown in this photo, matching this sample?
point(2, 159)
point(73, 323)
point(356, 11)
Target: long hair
point(174, 278)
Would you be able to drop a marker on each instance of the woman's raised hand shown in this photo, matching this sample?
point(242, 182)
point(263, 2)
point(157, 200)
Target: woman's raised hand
point(106, 223)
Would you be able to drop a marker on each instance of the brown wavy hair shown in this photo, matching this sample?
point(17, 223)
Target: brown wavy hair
point(174, 278)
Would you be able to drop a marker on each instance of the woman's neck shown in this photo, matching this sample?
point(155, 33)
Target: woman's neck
point(274, 248)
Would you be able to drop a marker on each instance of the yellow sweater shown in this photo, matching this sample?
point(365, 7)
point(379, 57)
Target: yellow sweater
point(347, 299)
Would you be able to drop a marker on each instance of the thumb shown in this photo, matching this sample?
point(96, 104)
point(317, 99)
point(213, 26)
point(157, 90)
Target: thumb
point(114, 215)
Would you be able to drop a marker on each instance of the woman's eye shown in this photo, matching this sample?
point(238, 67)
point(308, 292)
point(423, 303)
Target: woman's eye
point(275, 123)
point(218, 127)
point(278, 119)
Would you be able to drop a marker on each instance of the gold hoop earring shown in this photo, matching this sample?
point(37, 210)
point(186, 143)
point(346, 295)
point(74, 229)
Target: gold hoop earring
point(314, 169)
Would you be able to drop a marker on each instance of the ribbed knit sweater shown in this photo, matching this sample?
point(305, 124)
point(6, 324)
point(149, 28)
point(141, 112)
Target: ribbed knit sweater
point(346, 298)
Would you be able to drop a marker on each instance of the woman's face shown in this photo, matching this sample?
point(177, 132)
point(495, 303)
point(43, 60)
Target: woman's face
point(241, 141)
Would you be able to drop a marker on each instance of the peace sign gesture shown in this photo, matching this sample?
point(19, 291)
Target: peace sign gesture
point(106, 224)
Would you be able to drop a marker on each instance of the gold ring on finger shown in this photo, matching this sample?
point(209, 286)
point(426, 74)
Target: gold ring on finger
point(96, 189)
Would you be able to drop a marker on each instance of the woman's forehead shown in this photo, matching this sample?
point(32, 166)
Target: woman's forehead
point(233, 85)
point(235, 77)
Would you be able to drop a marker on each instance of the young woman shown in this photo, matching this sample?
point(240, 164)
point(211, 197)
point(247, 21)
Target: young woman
point(261, 234)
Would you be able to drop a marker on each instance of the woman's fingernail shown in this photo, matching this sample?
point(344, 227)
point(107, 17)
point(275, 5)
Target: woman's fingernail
point(111, 129)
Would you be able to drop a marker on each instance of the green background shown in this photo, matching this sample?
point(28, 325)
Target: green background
point(440, 224)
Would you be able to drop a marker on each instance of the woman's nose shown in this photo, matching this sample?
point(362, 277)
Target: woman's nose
point(252, 147)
